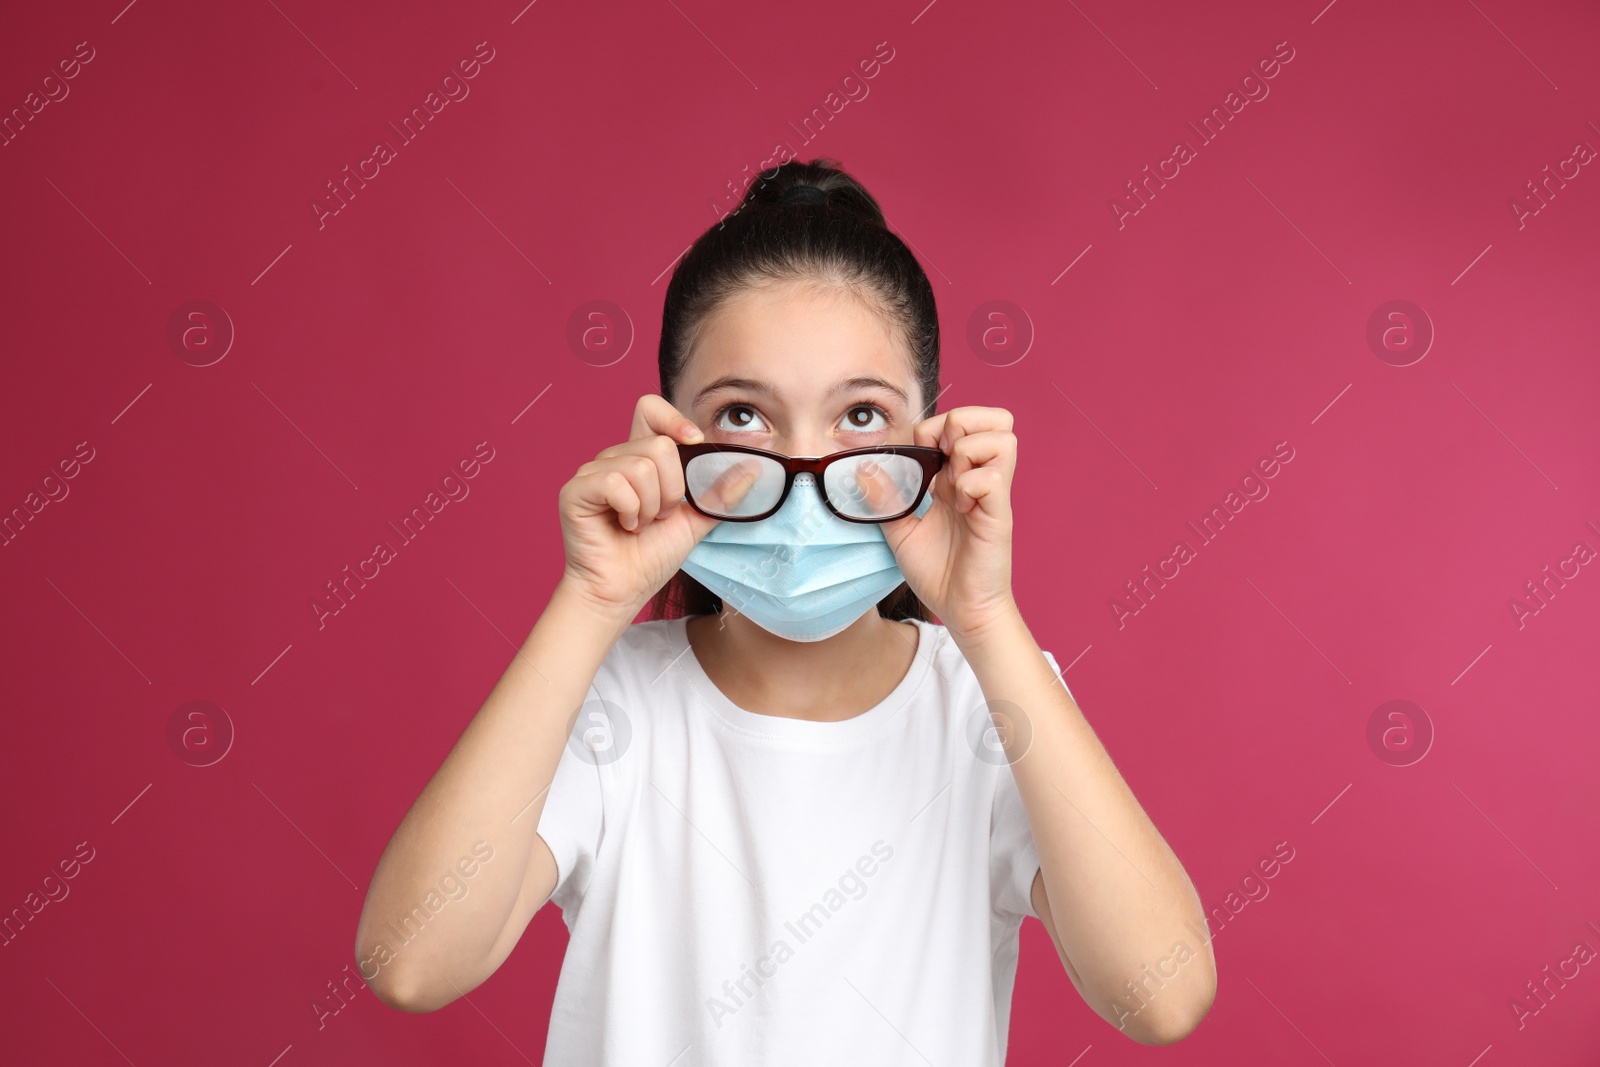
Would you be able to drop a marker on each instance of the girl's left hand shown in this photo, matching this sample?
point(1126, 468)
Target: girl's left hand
point(957, 557)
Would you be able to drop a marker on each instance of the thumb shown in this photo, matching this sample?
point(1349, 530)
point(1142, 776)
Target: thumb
point(897, 531)
point(699, 525)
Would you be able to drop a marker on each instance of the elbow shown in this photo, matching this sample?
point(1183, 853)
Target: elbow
point(396, 987)
point(398, 992)
point(387, 986)
point(1179, 1020)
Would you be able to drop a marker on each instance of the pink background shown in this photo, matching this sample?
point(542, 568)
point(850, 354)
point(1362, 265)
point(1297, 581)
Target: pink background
point(371, 354)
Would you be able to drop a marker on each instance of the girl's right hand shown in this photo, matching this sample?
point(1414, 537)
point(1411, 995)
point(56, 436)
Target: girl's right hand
point(624, 522)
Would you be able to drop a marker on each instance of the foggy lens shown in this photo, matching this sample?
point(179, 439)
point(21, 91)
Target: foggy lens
point(873, 486)
point(733, 485)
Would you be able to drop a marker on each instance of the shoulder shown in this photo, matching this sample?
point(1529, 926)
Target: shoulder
point(644, 650)
point(941, 649)
point(946, 677)
point(949, 666)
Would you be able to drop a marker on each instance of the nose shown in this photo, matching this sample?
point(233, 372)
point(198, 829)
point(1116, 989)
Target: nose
point(809, 442)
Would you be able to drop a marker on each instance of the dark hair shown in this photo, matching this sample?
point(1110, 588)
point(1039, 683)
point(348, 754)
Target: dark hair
point(839, 239)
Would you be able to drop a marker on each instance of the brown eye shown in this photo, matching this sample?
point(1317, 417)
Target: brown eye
point(865, 418)
point(739, 417)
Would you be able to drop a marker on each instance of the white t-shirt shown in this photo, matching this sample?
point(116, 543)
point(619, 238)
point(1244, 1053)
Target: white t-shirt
point(749, 889)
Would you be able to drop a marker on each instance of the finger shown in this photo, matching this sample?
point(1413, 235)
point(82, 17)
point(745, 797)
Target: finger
point(646, 481)
point(663, 452)
point(996, 448)
point(926, 433)
point(981, 487)
point(879, 492)
point(607, 490)
point(653, 415)
point(699, 524)
point(728, 490)
point(958, 422)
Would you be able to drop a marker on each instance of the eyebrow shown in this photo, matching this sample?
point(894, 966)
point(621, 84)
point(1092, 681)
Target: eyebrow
point(756, 386)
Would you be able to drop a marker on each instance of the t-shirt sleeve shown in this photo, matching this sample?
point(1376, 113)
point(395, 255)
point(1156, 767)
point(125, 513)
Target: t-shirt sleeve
point(1013, 859)
point(573, 818)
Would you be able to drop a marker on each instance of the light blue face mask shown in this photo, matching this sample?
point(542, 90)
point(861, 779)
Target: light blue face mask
point(803, 573)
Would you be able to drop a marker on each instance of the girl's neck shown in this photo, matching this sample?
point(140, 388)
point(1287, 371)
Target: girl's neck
point(824, 681)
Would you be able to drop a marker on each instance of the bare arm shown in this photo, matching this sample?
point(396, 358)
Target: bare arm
point(1115, 898)
point(1119, 906)
point(486, 797)
point(420, 946)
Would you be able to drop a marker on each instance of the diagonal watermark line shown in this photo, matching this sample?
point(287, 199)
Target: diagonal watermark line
point(713, 44)
point(1332, 402)
point(1502, 433)
point(99, 631)
point(101, 232)
point(271, 665)
point(675, 659)
point(302, 433)
point(920, 253)
point(313, 44)
point(1474, 263)
point(523, 12)
point(132, 402)
point(1469, 666)
point(891, 1025)
point(1331, 803)
point(1074, 263)
point(514, 646)
point(1289, 1021)
point(929, 804)
point(486, 1019)
point(88, 1020)
point(274, 263)
point(1513, 44)
point(124, 11)
point(702, 834)
point(1301, 232)
point(1076, 658)
point(1113, 44)
point(529, 804)
point(532, 402)
point(302, 833)
point(669, 266)
point(1102, 433)
point(1108, 840)
point(1302, 633)
point(1324, 11)
point(131, 803)
point(1502, 833)
point(501, 232)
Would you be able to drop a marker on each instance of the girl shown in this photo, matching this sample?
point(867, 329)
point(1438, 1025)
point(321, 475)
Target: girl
point(782, 826)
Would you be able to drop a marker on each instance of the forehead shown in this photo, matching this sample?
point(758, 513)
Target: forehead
point(800, 338)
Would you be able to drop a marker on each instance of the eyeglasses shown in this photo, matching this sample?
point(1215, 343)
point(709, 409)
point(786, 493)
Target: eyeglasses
point(736, 483)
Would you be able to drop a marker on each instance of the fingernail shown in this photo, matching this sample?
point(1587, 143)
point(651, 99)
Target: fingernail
point(690, 433)
point(944, 441)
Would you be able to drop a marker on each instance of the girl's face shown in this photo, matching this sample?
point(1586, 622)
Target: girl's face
point(801, 372)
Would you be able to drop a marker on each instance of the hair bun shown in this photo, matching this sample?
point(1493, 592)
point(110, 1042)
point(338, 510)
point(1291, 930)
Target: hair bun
point(821, 181)
point(803, 194)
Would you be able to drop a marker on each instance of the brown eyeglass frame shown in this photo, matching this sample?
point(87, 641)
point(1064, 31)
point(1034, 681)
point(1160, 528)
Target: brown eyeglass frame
point(931, 460)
